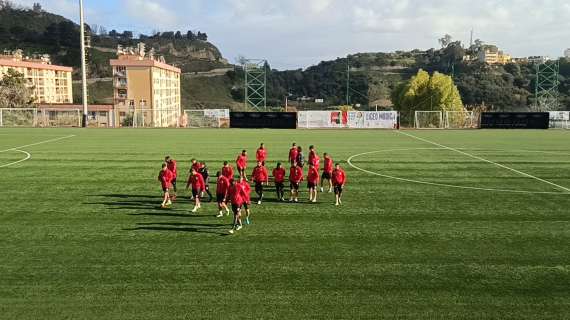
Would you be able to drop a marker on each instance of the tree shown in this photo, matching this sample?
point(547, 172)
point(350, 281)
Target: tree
point(190, 35)
point(178, 35)
point(427, 93)
point(127, 35)
point(13, 91)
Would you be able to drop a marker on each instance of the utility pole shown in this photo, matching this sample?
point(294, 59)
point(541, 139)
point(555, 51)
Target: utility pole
point(83, 64)
point(347, 80)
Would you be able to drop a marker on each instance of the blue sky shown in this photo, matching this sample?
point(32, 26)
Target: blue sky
point(299, 33)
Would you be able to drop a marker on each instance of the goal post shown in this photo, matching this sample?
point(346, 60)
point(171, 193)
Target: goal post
point(54, 118)
point(460, 120)
point(18, 117)
point(429, 120)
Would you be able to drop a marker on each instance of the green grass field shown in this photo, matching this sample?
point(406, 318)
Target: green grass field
point(453, 237)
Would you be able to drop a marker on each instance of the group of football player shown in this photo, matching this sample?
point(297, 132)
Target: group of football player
point(235, 192)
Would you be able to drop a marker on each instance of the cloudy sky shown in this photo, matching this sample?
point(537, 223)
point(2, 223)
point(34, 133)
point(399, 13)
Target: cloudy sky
point(299, 33)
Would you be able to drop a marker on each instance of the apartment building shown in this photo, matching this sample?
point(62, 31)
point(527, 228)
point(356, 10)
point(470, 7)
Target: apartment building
point(491, 55)
point(145, 88)
point(49, 83)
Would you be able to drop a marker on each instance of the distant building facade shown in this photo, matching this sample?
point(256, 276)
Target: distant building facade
point(538, 59)
point(50, 83)
point(491, 55)
point(146, 87)
point(567, 53)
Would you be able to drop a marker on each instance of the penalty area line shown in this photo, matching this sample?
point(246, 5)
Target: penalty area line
point(37, 143)
point(485, 160)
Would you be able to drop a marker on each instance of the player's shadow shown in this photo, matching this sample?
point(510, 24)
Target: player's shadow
point(211, 228)
point(133, 202)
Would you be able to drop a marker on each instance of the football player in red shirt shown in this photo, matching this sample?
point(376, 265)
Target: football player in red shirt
point(195, 166)
point(293, 154)
point(246, 188)
point(171, 165)
point(279, 178)
point(241, 164)
point(312, 182)
point(295, 178)
point(260, 177)
point(327, 172)
point(222, 188)
point(314, 157)
point(261, 154)
point(237, 197)
point(165, 177)
point(228, 171)
point(338, 180)
point(198, 185)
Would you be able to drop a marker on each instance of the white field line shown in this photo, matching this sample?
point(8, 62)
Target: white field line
point(28, 157)
point(349, 161)
point(485, 160)
point(37, 143)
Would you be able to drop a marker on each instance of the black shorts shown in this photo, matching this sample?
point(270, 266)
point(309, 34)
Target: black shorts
point(326, 175)
point(196, 193)
point(258, 187)
point(279, 185)
point(220, 197)
point(235, 209)
point(311, 185)
point(337, 189)
point(173, 182)
point(246, 206)
point(294, 186)
point(165, 190)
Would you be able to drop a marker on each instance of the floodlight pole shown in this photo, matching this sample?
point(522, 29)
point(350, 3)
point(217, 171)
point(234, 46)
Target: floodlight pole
point(83, 64)
point(347, 80)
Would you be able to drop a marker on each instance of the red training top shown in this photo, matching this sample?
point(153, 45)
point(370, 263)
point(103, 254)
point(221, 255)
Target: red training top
point(165, 177)
point(261, 155)
point(197, 182)
point(236, 195)
point(296, 174)
point(338, 177)
point(279, 175)
point(196, 166)
point(313, 176)
point(228, 172)
point(329, 166)
point(315, 161)
point(241, 162)
point(260, 174)
point(293, 154)
point(223, 185)
point(246, 189)
point(171, 165)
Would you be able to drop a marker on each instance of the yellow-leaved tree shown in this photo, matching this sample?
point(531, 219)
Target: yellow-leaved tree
point(426, 93)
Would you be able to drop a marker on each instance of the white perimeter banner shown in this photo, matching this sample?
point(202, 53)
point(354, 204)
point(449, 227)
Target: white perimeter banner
point(560, 115)
point(217, 113)
point(348, 119)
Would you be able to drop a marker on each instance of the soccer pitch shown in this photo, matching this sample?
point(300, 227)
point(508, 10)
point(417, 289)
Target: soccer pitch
point(435, 224)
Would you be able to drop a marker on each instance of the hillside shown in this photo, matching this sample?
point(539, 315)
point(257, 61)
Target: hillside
point(210, 82)
point(37, 32)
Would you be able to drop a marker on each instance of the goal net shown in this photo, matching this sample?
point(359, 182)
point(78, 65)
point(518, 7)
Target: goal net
point(18, 117)
point(149, 118)
point(207, 118)
point(429, 120)
point(58, 118)
point(460, 120)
